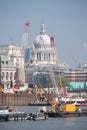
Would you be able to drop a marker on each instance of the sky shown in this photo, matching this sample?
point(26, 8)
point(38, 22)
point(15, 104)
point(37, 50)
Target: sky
point(66, 20)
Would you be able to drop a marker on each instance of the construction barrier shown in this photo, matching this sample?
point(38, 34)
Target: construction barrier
point(18, 99)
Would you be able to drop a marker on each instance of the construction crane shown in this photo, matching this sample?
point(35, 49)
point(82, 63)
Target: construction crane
point(25, 38)
point(23, 49)
point(39, 92)
point(40, 86)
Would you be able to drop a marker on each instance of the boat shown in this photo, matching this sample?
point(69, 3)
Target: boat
point(5, 111)
point(64, 114)
point(76, 101)
point(30, 116)
point(8, 113)
point(67, 114)
point(39, 115)
point(66, 110)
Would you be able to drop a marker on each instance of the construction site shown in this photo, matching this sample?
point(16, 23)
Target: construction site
point(39, 70)
point(34, 74)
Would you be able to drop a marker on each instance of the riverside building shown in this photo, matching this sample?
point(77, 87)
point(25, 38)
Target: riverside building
point(7, 72)
point(12, 63)
point(77, 79)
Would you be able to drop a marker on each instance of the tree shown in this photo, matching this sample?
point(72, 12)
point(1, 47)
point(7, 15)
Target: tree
point(62, 83)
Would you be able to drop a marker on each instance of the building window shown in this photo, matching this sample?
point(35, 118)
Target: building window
point(7, 75)
point(2, 75)
point(39, 56)
point(2, 62)
point(44, 56)
point(17, 62)
point(6, 62)
point(11, 76)
point(16, 75)
point(49, 57)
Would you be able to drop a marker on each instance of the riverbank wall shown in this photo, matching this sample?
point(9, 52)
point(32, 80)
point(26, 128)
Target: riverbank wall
point(19, 99)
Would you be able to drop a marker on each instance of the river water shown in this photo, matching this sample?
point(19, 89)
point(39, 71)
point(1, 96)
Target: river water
point(74, 123)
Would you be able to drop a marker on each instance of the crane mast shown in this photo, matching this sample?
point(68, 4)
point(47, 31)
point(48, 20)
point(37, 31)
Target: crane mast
point(23, 49)
point(25, 38)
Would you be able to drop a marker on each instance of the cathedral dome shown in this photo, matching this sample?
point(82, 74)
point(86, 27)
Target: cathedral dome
point(42, 38)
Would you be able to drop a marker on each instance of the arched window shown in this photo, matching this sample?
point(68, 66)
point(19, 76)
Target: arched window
point(11, 75)
point(15, 75)
point(39, 56)
point(7, 75)
point(49, 56)
point(2, 75)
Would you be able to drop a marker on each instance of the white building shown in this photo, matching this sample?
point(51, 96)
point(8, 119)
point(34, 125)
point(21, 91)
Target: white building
point(16, 56)
point(8, 72)
point(43, 51)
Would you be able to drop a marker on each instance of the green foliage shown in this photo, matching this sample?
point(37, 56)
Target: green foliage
point(62, 81)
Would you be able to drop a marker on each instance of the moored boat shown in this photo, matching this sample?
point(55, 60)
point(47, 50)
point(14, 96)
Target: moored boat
point(76, 101)
point(10, 113)
point(39, 115)
point(66, 110)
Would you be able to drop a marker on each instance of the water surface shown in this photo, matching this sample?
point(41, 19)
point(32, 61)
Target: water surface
point(74, 123)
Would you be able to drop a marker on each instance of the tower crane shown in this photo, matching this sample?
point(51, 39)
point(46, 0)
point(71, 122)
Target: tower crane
point(23, 49)
point(25, 38)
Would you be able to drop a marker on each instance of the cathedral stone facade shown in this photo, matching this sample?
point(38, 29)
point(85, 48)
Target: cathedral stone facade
point(43, 51)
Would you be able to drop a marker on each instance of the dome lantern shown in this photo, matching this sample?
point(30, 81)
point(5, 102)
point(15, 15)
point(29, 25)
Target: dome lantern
point(43, 31)
point(42, 39)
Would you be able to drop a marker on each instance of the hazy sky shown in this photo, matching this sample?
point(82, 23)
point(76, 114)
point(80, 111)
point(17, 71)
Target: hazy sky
point(66, 20)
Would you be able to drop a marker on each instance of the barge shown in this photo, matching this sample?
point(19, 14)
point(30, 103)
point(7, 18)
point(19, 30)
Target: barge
point(67, 114)
point(67, 110)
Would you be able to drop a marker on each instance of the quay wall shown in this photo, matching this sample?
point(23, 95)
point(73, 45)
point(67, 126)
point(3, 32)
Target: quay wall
point(18, 99)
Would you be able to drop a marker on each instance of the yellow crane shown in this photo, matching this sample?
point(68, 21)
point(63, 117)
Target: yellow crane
point(38, 91)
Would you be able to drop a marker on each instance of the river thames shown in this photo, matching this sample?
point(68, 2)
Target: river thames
point(74, 123)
